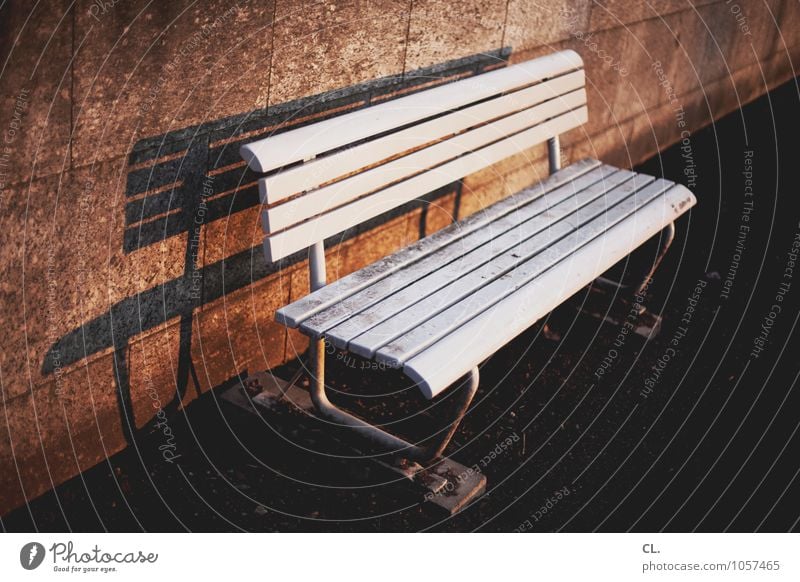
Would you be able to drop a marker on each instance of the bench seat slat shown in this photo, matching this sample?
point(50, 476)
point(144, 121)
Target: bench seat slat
point(416, 304)
point(408, 345)
point(295, 313)
point(353, 316)
point(295, 179)
point(334, 195)
point(444, 362)
point(284, 243)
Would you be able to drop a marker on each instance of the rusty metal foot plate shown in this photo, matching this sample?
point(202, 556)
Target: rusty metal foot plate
point(445, 485)
point(601, 304)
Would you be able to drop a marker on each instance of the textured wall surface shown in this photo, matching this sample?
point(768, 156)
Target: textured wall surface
point(132, 273)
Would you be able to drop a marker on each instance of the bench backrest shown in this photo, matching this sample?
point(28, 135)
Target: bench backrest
point(329, 176)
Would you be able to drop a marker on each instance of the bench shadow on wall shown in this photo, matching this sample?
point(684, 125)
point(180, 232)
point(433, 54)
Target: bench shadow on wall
point(165, 198)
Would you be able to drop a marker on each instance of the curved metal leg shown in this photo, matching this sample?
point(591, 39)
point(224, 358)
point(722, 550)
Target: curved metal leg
point(460, 407)
point(666, 237)
point(389, 442)
point(393, 444)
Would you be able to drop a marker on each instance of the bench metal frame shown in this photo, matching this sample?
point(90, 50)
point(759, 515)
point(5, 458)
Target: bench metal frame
point(386, 441)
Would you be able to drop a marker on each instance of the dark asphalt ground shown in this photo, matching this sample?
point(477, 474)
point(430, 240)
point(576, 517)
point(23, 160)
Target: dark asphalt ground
point(691, 430)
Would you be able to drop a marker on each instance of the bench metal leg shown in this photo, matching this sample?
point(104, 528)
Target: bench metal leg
point(383, 439)
point(666, 237)
point(460, 405)
point(554, 154)
point(554, 165)
point(393, 444)
point(665, 240)
point(445, 485)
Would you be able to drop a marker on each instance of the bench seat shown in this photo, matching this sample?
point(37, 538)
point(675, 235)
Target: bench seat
point(441, 306)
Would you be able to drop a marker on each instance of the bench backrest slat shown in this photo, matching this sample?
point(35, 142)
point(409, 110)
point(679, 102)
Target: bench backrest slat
point(338, 193)
point(414, 145)
point(288, 241)
point(296, 179)
point(309, 141)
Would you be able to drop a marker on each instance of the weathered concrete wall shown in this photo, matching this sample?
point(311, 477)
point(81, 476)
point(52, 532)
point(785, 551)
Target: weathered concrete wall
point(132, 274)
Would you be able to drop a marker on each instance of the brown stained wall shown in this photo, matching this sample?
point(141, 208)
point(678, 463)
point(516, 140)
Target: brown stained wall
point(132, 282)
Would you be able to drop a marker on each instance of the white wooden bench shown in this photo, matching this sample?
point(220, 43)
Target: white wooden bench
point(443, 305)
